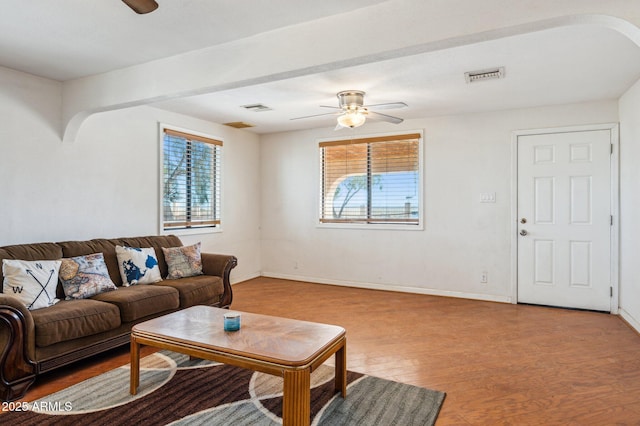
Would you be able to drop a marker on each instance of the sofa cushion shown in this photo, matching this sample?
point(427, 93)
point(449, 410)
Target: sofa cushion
point(199, 290)
point(141, 300)
point(71, 319)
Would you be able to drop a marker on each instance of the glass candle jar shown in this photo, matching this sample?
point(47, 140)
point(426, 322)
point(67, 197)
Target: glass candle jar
point(232, 321)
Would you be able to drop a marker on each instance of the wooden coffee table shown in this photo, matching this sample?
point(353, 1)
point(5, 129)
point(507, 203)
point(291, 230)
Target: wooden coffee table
point(282, 347)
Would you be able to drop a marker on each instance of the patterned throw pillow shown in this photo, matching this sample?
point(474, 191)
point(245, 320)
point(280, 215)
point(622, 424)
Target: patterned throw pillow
point(183, 261)
point(32, 282)
point(85, 276)
point(138, 265)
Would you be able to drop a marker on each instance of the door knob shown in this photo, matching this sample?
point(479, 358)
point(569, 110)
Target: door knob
point(523, 232)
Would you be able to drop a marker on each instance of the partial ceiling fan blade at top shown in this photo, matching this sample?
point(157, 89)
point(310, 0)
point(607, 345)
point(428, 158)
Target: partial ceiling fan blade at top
point(384, 117)
point(141, 6)
point(390, 105)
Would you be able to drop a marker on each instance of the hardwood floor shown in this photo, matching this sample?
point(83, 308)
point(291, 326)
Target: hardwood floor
point(498, 363)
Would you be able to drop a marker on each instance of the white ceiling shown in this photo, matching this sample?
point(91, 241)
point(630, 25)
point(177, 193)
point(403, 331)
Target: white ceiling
point(565, 65)
point(68, 39)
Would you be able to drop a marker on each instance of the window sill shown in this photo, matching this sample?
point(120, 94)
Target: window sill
point(193, 231)
point(370, 226)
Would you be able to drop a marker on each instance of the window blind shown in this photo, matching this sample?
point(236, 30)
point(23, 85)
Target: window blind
point(191, 180)
point(371, 180)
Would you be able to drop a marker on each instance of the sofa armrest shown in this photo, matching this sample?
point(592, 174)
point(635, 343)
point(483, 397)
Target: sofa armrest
point(17, 348)
point(220, 265)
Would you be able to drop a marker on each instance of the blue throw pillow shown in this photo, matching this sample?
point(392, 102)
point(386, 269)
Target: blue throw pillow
point(138, 265)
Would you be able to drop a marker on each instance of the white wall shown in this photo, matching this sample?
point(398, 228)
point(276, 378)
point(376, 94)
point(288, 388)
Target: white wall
point(30, 113)
point(464, 156)
point(105, 184)
point(630, 206)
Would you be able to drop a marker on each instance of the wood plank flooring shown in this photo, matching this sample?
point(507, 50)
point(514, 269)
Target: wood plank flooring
point(499, 364)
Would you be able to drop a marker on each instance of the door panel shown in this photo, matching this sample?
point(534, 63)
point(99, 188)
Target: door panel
point(580, 202)
point(544, 200)
point(564, 193)
point(580, 264)
point(543, 262)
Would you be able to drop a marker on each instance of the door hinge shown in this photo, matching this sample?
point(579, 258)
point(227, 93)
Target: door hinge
point(611, 221)
point(610, 291)
point(611, 148)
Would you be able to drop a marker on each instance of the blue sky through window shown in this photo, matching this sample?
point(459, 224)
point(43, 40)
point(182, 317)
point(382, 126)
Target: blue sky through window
point(393, 195)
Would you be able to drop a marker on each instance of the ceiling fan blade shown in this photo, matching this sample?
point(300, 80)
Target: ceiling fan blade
point(141, 6)
point(390, 105)
point(316, 115)
point(384, 117)
point(327, 106)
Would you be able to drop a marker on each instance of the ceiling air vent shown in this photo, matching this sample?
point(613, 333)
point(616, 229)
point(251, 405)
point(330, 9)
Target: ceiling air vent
point(481, 75)
point(256, 107)
point(238, 124)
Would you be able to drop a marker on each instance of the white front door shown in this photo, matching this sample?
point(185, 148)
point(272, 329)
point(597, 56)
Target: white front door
point(564, 219)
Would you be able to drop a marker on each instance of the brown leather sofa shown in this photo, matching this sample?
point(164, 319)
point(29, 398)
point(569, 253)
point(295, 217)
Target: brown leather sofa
point(34, 342)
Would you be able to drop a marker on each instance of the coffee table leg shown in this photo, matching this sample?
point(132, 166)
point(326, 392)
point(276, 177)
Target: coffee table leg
point(296, 398)
point(341, 370)
point(135, 366)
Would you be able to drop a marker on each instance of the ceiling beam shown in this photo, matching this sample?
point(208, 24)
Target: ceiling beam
point(388, 30)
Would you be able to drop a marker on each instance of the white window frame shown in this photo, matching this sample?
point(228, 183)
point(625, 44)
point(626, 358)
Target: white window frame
point(187, 231)
point(373, 226)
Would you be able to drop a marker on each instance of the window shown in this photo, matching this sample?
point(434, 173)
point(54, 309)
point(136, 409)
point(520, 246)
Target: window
point(190, 181)
point(371, 180)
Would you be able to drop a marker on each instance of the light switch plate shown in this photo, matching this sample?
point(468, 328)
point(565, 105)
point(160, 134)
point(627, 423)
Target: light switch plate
point(487, 197)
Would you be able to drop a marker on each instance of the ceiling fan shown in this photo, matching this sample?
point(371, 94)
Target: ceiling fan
point(352, 112)
point(141, 6)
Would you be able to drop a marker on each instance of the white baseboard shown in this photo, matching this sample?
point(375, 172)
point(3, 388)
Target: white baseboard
point(235, 279)
point(630, 319)
point(386, 287)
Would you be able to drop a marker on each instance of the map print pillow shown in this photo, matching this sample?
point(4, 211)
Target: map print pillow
point(32, 282)
point(183, 261)
point(138, 265)
point(85, 276)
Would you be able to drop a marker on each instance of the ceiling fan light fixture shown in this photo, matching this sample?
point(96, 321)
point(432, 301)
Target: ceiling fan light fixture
point(351, 99)
point(352, 119)
point(351, 111)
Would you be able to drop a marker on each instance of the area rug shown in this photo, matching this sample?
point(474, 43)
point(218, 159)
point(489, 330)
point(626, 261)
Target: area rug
point(175, 390)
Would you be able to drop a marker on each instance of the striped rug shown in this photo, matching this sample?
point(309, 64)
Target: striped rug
point(177, 391)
